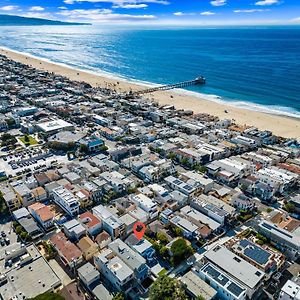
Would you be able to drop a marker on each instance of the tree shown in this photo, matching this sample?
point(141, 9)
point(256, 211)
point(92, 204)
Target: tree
point(10, 122)
point(118, 296)
point(3, 207)
point(289, 207)
point(162, 238)
point(163, 252)
point(184, 161)
point(103, 148)
point(26, 139)
point(178, 231)
point(180, 251)
point(166, 288)
point(171, 155)
point(8, 139)
point(83, 148)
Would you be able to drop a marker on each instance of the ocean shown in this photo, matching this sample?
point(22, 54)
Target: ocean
point(251, 67)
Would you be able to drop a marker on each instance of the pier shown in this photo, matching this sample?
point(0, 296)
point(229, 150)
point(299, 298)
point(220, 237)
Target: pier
point(199, 80)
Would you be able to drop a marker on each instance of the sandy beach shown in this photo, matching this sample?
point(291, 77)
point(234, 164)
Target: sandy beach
point(279, 125)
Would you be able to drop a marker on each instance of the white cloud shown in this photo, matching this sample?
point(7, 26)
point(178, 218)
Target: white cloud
point(218, 2)
point(130, 6)
point(249, 10)
point(120, 2)
point(101, 15)
point(296, 20)
point(180, 14)
point(9, 7)
point(267, 2)
point(36, 8)
point(62, 7)
point(207, 13)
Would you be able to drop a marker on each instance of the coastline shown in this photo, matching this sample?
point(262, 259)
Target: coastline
point(281, 125)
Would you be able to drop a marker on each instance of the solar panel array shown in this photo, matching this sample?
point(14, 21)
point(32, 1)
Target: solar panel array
point(254, 252)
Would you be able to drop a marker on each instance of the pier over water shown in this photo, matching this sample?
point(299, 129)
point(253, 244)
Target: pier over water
point(199, 80)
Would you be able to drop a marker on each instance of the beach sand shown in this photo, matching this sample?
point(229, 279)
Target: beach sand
point(279, 125)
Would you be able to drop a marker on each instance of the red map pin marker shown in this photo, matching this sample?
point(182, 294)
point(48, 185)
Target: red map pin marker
point(139, 229)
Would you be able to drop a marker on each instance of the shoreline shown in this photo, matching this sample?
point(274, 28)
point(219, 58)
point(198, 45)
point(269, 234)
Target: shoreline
point(282, 125)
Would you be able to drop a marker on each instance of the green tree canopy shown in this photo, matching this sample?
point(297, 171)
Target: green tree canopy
point(180, 250)
point(118, 296)
point(166, 288)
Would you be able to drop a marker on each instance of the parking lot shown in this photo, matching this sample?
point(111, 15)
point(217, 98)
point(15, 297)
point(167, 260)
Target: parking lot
point(8, 242)
point(29, 160)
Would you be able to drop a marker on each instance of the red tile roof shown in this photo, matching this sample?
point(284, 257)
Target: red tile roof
point(42, 211)
point(66, 248)
point(89, 219)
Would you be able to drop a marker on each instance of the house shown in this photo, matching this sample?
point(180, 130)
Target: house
point(142, 246)
point(88, 274)
point(66, 200)
point(87, 247)
point(290, 291)
point(242, 202)
point(91, 223)
point(264, 258)
point(24, 194)
point(39, 194)
point(68, 252)
point(165, 216)
point(198, 217)
point(189, 230)
point(195, 286)
point(93, 144)
point(129, 222)
point(103, 239)
point(23, 217)
point(287, 241)
point(226, 286)
point(193, 178)
point(115, 270)
point(134, 260)
point(147, 204)
point(249, 278)
point(183, 187)
point(74, 230)
point(110, 222)
point(42, 214)
point(139, 214)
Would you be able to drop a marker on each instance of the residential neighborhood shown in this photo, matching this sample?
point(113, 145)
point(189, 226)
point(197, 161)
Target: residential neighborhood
point(81, 165)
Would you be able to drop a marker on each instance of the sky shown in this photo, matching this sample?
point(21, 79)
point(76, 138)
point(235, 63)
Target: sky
point(179, 12)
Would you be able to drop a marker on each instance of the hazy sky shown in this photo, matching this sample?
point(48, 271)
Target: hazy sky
point(194, 12)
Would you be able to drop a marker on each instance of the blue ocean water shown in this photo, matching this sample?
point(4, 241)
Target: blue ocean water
point(254, 67)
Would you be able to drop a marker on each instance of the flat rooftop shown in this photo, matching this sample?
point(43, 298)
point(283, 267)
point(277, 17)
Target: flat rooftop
point(223, 280)
point(196, 286)
point(54, 125)
point(234, 265)
point(30, 280)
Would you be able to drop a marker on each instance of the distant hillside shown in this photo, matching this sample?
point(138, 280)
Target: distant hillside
point(8, 20)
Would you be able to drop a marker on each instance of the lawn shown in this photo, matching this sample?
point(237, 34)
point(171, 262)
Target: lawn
point(30, 141)
point(162, 272)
